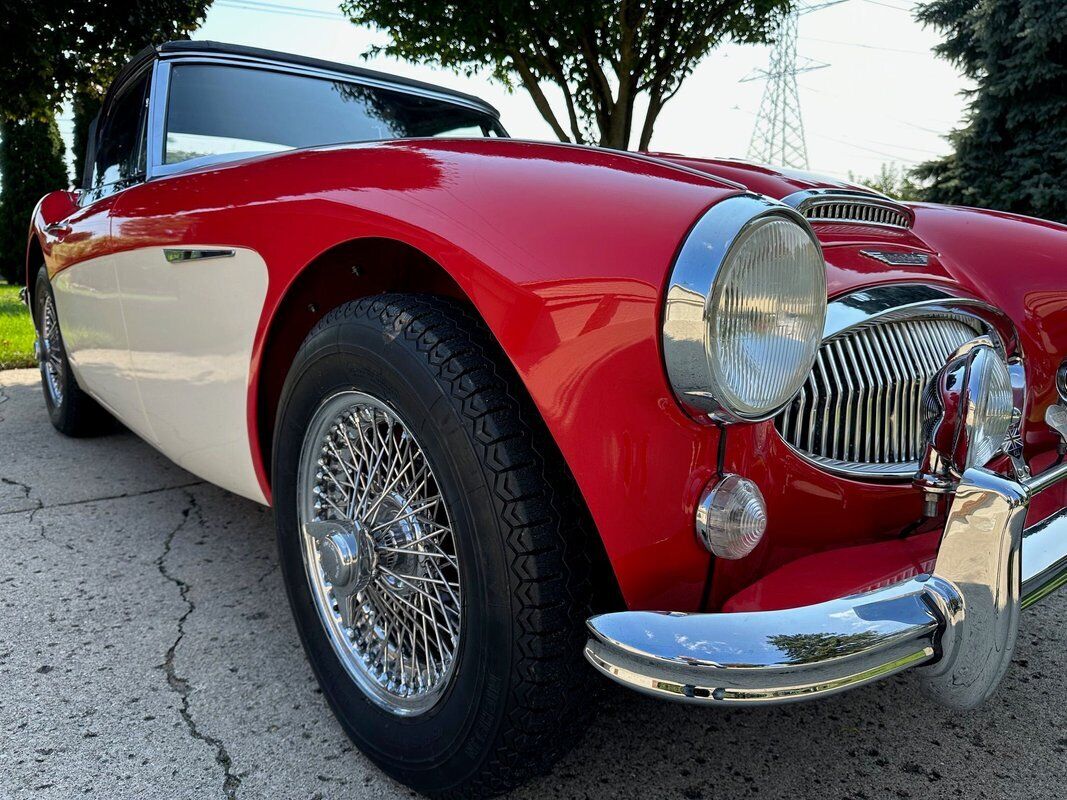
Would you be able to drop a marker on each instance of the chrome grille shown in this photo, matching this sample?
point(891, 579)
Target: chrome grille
point(862, 211)
point(861, 408)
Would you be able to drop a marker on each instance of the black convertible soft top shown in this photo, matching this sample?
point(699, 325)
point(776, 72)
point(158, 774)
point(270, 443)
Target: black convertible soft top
point(222, 49)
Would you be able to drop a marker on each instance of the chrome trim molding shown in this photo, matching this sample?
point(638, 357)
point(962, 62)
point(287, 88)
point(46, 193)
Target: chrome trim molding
point(960, 622)
point(177, 255)
point(907, 300)
point(243, 60)
point(690, 290)
point(851, 207)
point(161, 89)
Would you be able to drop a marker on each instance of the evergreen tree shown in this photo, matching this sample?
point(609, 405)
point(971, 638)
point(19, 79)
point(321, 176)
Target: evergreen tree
point(1010, 154)
point(31, 159)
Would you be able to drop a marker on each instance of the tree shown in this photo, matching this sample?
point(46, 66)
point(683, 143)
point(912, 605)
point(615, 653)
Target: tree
point(31, 158)
point(891, 181)
point(58, 51)
point(810, 648)
point(1009, 155)
point(602, 55)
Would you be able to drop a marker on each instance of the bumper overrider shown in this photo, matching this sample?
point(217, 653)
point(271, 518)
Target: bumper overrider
point(958, 625)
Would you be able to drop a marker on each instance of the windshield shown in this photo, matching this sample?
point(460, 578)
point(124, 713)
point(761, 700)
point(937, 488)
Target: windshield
point(223, 111)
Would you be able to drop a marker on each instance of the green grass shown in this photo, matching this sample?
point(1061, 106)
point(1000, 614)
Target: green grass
point(16, 330)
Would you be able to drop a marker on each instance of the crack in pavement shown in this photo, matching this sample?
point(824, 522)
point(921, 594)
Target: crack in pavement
point(268, 572)
point(176, 682)
point(89, 500)
point(26, 491)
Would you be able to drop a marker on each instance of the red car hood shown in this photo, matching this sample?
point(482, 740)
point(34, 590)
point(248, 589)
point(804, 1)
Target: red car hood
point(776, 182)
point(1017, 264)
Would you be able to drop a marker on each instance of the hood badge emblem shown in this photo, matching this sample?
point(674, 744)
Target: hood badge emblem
point(898, 258)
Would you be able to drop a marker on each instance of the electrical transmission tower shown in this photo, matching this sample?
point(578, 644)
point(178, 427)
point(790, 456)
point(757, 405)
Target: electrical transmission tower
point(778, 136)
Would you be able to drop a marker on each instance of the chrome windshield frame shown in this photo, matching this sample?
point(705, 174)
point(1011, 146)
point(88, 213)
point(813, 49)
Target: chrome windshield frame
point(160, 90)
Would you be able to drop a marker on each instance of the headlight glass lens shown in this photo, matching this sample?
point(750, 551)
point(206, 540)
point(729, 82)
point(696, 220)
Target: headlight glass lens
point(766, 316)
point(991, 407)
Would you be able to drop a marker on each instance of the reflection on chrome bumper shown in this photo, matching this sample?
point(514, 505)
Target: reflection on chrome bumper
point(959, 624)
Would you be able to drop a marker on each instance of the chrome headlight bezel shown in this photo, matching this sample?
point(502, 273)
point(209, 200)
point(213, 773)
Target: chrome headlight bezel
point(688, 307)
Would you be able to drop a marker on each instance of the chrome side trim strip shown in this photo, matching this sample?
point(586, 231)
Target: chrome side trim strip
point(177, 255)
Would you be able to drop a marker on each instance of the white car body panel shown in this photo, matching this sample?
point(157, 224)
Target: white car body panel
point(167, 347)
point(94, 336)
point(191, 327)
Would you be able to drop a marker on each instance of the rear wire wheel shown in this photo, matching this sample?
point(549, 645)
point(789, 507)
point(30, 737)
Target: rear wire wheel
point(71, 410)
point(434, 552)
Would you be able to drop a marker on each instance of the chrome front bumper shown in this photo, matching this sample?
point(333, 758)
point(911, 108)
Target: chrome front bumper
point(958, 624)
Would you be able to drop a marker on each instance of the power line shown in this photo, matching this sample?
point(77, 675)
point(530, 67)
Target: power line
point(846, 143)
point(852, 100)
point(890, 5)
point(868, 46)
point(277, 8)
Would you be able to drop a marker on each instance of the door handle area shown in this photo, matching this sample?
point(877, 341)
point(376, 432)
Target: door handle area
point(176, 255)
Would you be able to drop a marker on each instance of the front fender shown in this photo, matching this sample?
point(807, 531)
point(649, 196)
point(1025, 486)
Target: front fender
point(563, 251)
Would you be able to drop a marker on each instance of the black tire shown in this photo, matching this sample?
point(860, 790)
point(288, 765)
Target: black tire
point(519, 692)
point(72, 411)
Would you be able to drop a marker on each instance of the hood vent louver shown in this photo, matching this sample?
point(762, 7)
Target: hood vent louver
point(850, 207)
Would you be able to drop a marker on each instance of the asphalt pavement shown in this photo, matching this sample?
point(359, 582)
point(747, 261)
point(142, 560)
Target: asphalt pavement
point(146, 650)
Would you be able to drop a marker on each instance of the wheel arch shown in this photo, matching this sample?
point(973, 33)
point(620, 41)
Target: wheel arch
point(34, 262)
point(349, 271)
point(344, 272)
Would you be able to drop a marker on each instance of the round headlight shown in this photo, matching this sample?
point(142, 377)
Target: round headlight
point(990, 407)
point(745, 310)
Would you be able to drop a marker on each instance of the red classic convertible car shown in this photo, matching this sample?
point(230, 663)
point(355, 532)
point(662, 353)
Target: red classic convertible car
point(731, 435)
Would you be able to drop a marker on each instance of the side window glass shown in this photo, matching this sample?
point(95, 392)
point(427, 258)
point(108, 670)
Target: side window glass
point(122, 144)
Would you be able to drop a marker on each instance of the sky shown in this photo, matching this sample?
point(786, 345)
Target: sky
point(883, 97)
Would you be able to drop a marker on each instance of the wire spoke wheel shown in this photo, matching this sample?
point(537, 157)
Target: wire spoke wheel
point(379, 552)
point(51, 352)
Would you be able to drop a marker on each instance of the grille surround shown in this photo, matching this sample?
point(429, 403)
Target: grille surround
point(860, 412)
point(859, 212)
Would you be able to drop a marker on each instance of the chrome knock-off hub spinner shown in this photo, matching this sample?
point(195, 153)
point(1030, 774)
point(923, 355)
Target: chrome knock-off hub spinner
point(349, 561)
